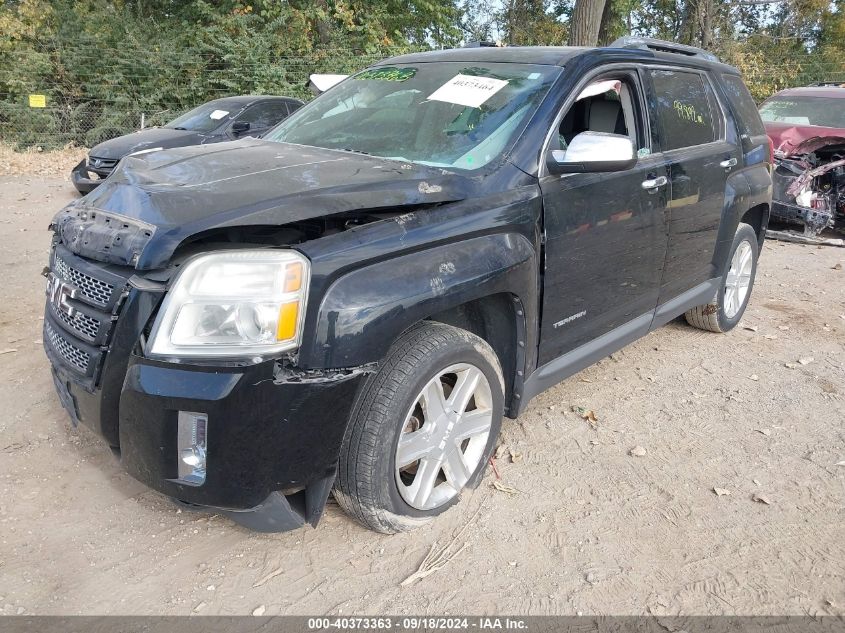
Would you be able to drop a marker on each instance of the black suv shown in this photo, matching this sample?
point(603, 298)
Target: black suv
point(354, 301)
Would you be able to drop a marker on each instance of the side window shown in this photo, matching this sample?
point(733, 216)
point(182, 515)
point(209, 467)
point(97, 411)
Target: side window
point(264, 115)
point(293, 106)
point(748, 118)
point(607, 105)
point(684, 108)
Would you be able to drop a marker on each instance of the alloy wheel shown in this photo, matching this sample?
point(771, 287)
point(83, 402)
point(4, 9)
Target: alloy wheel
point(443, 436)
point(738, 279)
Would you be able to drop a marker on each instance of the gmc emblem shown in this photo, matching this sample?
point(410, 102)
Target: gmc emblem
point(59, 293)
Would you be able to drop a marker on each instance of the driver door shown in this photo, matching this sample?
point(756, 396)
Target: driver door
point(605, 233)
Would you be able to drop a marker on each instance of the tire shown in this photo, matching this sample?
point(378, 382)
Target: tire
point(420, 368)
point(727, 307)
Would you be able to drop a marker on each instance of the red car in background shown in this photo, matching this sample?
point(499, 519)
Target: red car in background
point(807, 129)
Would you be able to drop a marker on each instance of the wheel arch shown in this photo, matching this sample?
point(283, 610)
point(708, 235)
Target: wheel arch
point(748, 198)
point(499, 320)
point(486, 285)
point(758, 217)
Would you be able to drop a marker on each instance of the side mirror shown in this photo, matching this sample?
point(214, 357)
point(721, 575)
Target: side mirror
point(239, 127)
point(593, 152)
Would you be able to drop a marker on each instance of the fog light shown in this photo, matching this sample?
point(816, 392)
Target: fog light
point(192, 442)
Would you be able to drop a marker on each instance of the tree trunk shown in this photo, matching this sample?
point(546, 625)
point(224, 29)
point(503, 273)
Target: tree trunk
point(606, 27)
point(707, 24)
point(689, 20)
point(585, 22)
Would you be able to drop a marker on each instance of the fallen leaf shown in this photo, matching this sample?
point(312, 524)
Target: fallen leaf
point(750, 328)
point(790, 365)
point(637, 451)
point(754, 377)
point(259, 610)
point(761, 499)
point(498, 485)
point(784, 328)
point(770, 337)
point(806, 361)
point(721, 492)
point(765, 432)
point(516, 456)
point(838, 266)
point(756, 483)
point(500, 451)
point(595, 442)
point(199, 607)
point(587, 414)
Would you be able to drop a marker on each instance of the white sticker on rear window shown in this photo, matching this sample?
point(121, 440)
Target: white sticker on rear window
point(218, 114)
point(467, 90)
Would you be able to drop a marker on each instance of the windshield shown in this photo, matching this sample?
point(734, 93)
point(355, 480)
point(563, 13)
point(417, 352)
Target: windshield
point(205, 118)
point(820, 111)
point(443, 114)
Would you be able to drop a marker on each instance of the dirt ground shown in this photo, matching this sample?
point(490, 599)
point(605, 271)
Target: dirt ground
point(589, 528)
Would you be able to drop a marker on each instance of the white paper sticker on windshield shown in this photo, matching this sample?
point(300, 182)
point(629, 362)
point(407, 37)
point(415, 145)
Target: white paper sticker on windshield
point(467, 90)
point(218, 114)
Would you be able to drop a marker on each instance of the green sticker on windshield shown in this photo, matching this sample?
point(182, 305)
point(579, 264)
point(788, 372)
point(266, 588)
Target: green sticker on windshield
point(388, 73)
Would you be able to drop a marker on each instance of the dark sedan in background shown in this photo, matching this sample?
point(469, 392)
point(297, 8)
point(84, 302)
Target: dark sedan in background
point(224, 119)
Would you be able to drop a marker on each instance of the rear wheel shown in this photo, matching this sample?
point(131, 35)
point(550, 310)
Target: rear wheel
point(423, 429)
point(727, 307)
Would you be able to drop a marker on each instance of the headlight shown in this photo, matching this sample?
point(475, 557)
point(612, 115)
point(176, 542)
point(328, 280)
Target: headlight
point(233, 303)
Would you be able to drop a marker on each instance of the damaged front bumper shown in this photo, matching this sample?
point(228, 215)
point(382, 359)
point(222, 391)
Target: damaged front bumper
point(272, 437)
point(86, 176)
point(809, 185)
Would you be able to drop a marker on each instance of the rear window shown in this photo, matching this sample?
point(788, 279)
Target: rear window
point(684, 108)
point(743, 105)
point(820, 111)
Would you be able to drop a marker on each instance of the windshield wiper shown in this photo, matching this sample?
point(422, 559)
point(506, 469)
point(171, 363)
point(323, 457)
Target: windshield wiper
point(181, 128)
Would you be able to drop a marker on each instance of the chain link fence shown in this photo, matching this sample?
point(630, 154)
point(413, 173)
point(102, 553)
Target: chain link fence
point(65, 113)
point(71, 116)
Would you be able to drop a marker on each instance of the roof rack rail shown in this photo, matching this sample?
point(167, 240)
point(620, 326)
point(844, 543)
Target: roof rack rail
point(480, 44)
point(824, 84)
point(651, 44)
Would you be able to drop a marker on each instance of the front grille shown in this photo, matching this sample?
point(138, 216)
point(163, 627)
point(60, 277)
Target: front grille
point(68, 351)
point(84, 300)
point(96, 291)
point(81, 323)
point(101, 163)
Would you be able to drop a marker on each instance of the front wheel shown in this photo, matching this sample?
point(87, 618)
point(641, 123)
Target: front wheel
point(727, 307)
point(423, 429)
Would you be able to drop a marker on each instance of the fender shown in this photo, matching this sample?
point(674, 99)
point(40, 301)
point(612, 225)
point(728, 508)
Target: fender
point(365, 310)
point(745, 189)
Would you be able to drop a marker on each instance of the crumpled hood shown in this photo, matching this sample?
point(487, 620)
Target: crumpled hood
point(814, 144)
point(149, 138)
point(787, 138)
point(153, 202)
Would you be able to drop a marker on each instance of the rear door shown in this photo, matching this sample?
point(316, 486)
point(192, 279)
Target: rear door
point(692, 135)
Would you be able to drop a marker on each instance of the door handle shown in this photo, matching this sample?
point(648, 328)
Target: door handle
point(728, 163)
point(653, 184)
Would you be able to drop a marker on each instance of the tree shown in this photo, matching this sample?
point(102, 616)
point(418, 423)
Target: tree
point(585, 23)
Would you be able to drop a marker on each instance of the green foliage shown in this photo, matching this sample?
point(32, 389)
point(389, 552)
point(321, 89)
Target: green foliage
point(102, 64)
